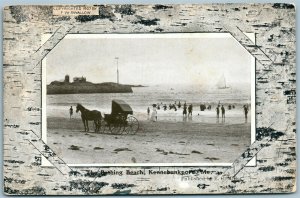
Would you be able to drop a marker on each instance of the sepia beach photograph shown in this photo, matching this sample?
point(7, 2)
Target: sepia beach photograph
point(130, 99)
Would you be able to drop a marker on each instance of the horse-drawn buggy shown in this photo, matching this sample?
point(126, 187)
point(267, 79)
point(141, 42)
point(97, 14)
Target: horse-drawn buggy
point(120, 121)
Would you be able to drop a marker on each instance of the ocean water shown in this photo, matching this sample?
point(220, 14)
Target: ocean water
point(144, 97)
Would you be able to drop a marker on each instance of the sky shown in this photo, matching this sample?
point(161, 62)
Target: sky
point(150, 59)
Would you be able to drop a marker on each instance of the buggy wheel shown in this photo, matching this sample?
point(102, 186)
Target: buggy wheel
point(123, 125)
point(132, 125)
point(115, 129)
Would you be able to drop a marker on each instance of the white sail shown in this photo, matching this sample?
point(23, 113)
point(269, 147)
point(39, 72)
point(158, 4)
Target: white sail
point(221, 84)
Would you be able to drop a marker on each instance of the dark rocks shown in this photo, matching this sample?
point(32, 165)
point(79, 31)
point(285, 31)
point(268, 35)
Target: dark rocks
point(197, 152)
point(73, 147)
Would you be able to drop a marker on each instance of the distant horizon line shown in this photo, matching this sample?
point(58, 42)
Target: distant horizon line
point(67, 79)
point(159, 84)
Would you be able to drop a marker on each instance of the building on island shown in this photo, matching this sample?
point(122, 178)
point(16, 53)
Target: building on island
point(79, 79)
point(81, 85)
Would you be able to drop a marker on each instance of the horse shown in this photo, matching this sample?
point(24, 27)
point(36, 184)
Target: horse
point(87, 115)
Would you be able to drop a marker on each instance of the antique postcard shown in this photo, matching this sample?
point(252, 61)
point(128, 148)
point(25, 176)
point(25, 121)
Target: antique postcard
point(149, 99)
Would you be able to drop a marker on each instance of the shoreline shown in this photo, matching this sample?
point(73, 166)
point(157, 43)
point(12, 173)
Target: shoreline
point(208, 116)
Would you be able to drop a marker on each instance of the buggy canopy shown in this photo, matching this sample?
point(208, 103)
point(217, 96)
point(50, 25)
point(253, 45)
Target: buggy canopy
point(120, 106)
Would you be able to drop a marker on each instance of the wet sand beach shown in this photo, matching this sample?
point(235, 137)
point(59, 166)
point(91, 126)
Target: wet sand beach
point(155, 142)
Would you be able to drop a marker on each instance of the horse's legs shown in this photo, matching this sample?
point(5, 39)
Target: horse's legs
point(87, 125)
point(99, 124)
point(84, 124)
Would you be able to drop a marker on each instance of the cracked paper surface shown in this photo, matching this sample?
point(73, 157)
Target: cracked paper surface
point(274, 148)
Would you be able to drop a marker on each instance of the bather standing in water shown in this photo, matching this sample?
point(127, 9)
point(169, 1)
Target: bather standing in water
point(184, 111)
point(154, 114)
point(190, 110)
point(218, 111)
point(71, 112)
point(246, 111)
point(148, 112)
point(223, 111)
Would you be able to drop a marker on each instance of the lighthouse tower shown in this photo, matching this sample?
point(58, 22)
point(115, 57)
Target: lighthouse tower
point(67, 79)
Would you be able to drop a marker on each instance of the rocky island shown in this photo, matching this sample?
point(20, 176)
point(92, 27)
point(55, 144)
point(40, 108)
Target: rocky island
point(80, 85)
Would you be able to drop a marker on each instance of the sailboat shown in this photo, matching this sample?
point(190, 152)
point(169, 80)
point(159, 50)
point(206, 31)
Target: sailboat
point(222, 83)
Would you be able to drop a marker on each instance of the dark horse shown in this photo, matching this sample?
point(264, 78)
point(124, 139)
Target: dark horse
point(87, 115)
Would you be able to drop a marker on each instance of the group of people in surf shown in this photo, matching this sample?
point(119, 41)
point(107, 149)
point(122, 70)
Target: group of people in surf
point(188, 109)
point(171, 106)
point(222, 109)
